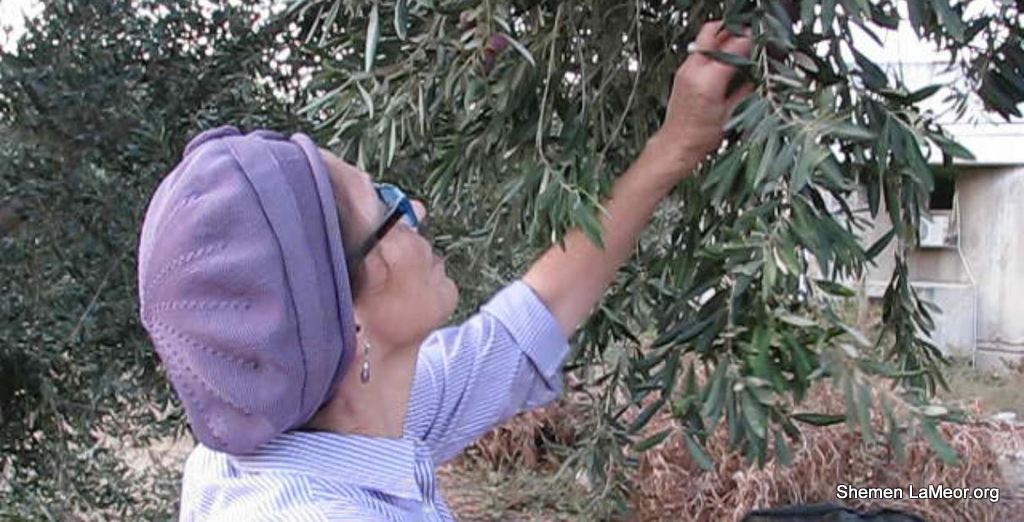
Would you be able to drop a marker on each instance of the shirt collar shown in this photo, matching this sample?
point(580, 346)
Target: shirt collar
point(377, 463)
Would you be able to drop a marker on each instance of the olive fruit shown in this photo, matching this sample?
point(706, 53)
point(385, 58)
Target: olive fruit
point(495, 45)
point(498, 42)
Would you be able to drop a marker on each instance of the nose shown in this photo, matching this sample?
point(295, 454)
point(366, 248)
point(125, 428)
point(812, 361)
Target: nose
point(420, 209)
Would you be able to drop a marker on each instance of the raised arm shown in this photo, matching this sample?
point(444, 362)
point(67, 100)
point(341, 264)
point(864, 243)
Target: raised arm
point(508, 357)
point(570, 281)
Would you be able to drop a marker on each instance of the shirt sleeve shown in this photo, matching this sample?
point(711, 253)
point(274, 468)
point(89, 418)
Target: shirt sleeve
point(505, 359)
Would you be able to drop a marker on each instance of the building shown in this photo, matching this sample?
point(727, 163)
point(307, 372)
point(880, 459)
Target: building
point(970, 260)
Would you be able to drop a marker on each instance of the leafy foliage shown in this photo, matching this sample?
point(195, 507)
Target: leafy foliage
point(95, 107)
point(514, 117)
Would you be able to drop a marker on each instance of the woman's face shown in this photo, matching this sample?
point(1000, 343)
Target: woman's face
point(404, 291)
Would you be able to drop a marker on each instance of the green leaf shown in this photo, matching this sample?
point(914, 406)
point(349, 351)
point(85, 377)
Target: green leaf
point(894, 435)
point(767, 158)
point(521, 49)
point(895, 209)
point(807, 14)
point(923, 93)
point(828, 14)
point(850, 131)
point(919, 169)
point(819, 419)
point(754, 159)
point(879, 245)
point(873, 75)
point(392, 142)
point(699, 455)
point(849, 394)
point(728, 58)
point(476, 89)
point(723, 175)
point(589, 224)
point(769, 274)
point(782, 451)
point(864, 406)
point(645, 415)
point(747, 113)
point(652, 441)
point(372, 37)
point(421, 113)
point(935, 440)
point(712, 408)
point(732, 417)
point(683, 333)
point(834, 288)
point(762, 350)
point(785, 258)
point(915, 14)
point(401, 18)
point(952, 148)
point(367, 100)
point(856, 334)
point(811, 154)
point(755, 414)
point(690, 382)
point(760, 389)
point(653, 357)
point(669, 371)
point(801, 322)
point(951, 22)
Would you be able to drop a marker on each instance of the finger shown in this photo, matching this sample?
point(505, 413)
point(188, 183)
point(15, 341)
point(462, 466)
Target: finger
point(708, 36)
point(725, 33)
point(719, 74)
point(741, 45)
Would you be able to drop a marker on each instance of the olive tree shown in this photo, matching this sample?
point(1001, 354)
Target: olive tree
point(513, 117)
point(96, 105)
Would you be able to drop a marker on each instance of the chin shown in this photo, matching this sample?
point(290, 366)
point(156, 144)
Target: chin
point(451, 299)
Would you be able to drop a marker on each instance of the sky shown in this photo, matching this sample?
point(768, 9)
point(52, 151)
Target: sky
point(912, 58)
point(909, 49)
point(11, 17)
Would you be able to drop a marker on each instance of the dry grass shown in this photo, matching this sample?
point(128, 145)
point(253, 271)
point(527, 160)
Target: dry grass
point(823, 459)
point(672, 487)
point(526, 440)
point(479, 494)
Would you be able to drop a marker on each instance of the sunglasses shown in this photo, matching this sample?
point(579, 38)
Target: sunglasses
point(399, 208)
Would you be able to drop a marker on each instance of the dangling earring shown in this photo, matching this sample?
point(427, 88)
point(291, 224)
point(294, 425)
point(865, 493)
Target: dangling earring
point(364, 373)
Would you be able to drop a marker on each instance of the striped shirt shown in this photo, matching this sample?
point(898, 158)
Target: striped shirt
point(469, 378)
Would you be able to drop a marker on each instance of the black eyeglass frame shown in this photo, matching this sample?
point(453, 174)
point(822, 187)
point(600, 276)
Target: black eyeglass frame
point(401, 207)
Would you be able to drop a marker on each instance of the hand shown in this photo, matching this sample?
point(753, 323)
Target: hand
point(699, 105)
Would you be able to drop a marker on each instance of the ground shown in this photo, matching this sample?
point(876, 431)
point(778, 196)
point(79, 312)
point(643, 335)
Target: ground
point(477, 493)
point(478, 490)
point(995, 393)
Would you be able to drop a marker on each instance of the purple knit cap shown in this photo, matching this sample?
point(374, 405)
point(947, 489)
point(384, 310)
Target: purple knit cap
point(243, 286)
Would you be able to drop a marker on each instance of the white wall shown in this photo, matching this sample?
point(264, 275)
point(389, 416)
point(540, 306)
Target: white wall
point(981, 292)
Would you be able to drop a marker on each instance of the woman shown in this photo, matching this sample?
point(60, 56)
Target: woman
point(296, 310)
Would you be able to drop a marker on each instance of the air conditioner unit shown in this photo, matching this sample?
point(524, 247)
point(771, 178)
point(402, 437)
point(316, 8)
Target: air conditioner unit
point(937, 231)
